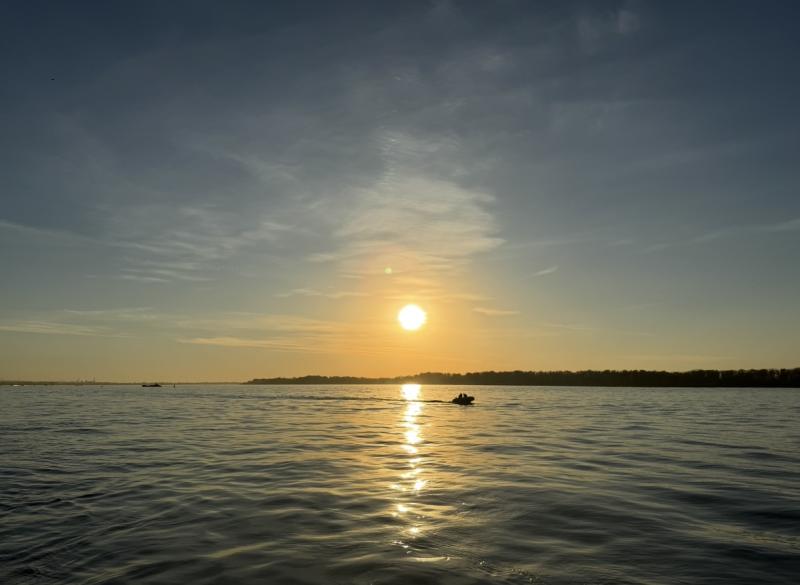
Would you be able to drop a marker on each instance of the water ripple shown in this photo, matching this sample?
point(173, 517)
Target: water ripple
point(371, 485)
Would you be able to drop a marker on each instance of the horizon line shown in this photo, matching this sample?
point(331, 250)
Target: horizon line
point(389, 379)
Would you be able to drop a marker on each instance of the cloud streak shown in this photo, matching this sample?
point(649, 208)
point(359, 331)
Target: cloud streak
point(56, 328)
point(409, 221)
point(310, 292)
point(791, 225)
point(489, 312)
point(187, 243)
point(546, 271)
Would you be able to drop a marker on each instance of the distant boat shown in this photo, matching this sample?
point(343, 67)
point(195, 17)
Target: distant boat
point(155, 385)
point(463, 400)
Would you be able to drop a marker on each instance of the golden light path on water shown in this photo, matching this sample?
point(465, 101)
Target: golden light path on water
point(411, 482)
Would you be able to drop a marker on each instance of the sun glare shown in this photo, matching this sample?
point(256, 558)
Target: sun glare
point(411, 317)
point(410, 391)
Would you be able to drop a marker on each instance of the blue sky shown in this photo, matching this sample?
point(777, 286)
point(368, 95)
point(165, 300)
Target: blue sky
point(198, 190)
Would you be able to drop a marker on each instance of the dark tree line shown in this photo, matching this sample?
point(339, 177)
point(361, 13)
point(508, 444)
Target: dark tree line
point(783, 378)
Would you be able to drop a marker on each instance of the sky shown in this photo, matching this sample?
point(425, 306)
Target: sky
point(209, 191)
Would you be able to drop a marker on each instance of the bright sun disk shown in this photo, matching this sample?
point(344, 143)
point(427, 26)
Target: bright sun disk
point(411, 317)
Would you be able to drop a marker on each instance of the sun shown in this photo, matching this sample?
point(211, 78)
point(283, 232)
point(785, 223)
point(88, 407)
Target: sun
point(411, 317)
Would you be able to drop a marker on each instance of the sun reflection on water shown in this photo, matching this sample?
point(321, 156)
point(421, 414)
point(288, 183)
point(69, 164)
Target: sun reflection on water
point(410, 391)
point(410, 483)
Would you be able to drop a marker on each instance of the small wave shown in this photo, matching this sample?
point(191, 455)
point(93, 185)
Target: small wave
point(320, 485)
point(342, 398)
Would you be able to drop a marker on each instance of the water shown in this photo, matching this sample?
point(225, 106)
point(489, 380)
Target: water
point(335, 485)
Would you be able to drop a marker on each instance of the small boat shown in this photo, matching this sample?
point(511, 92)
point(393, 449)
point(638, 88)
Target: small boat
point(155, 385)
point(463, 400)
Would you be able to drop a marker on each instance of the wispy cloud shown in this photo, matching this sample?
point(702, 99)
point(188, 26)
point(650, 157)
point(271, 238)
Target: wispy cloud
point(40, 233)
point(115, 322)
point(495, 312)
point(190, 243)
point(352, 342)
point(281, 344)
point(578, 328)
point(621, 242)
point(410, 221)
point(432, 293)
point(526, 245)
point(768, 228)
point(310, 292)
point(116, 314)
point(596, 30)
point(791, 225)
point(55, 328)
point(545, 271)
point(231, 329)
point(692, 358)
point(142, 278)
point(153, 274)
point(237, 324)
point(164, 244)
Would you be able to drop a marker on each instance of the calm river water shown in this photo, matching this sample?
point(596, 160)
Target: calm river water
point(380, 484)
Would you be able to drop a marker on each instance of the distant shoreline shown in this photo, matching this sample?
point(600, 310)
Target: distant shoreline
point(90, 383)
point(764, 378)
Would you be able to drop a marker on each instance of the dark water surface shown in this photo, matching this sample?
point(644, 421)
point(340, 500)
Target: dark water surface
point(361, 484)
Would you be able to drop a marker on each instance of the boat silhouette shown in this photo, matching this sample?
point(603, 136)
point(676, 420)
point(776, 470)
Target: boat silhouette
point(463, 400)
